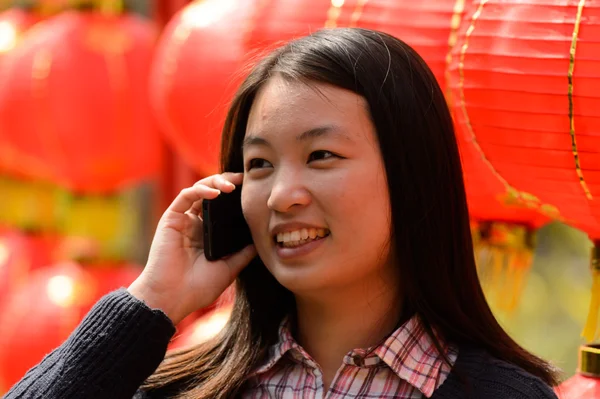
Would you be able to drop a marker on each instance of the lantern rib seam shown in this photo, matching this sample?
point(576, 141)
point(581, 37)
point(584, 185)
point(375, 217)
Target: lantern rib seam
point(528, 199)
point(572, 52)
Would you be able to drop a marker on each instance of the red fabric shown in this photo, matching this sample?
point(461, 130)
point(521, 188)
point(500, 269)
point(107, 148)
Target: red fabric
point(200, 57)
point(509, 78)
point(73, 97)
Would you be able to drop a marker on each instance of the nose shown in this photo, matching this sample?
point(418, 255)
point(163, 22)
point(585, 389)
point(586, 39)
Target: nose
point(288, 192)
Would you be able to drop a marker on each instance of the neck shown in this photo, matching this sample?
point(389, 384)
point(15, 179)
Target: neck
point(330, 326)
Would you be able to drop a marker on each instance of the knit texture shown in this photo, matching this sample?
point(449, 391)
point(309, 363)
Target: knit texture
point(121, 342)
point(115, 348)
point(488, 377)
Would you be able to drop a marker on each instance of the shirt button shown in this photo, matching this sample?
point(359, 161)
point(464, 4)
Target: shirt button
point(358, 360)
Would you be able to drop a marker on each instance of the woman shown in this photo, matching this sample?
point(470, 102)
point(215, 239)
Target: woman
point(365, 283)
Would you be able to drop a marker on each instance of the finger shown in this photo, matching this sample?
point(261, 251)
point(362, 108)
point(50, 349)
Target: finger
point(222, 180)
point(238, 261)
point(186, 198)
point(235, 178)
point(221, 183)
point(196, 209)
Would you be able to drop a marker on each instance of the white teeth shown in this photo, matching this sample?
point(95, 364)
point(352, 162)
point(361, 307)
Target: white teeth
point(297, 236)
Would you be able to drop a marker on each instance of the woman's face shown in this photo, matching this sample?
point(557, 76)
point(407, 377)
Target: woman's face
point(315, 193)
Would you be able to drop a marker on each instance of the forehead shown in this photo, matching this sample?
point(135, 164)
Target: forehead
point(282, 105)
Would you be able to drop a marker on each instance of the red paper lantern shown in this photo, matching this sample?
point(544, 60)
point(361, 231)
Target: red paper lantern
point(20, 255)
point(73, 96)
point(44, 311)
point(504, 230)
point(13, 23)
point(586, 383)
point(578, 387)
point(199, 61)
point(489, 196)
point(525, 88)
point(525, 93)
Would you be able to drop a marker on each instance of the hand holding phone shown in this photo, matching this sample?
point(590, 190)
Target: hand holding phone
point(225, 229)
point(178, 278)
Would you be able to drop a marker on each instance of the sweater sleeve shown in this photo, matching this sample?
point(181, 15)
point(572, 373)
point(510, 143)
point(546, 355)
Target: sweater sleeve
point(116, 347)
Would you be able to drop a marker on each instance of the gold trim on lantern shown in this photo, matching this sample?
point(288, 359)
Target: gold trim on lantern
point(572, 51)
point(459, 8)
point(589, 360)
point(528, 199)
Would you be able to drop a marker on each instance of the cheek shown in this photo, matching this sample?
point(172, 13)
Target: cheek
point(254, 206)
point(363, 213)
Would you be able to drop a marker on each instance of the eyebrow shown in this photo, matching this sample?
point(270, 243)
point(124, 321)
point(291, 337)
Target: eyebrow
point(315, 132)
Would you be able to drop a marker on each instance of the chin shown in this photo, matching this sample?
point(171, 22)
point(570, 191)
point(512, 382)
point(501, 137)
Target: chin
point(303, 278)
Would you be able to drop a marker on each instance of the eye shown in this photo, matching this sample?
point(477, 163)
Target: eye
point(321, 155)
point(258, 163)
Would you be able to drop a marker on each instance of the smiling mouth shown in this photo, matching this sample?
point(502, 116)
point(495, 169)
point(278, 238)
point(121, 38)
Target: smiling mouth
point(296, 238)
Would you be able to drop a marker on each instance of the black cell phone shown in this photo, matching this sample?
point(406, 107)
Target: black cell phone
point(225, 229)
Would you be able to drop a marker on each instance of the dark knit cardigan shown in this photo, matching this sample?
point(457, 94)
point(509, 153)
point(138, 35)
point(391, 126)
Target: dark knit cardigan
point(122, 341)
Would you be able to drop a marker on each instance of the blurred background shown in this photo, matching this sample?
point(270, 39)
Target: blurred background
point(109, 108)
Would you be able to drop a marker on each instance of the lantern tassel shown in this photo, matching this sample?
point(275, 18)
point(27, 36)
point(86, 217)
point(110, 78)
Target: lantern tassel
point(591, 325)
point(519, 264)
point(504, 254)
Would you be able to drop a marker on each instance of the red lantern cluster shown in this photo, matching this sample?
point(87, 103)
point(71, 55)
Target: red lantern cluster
point(73, 96)
point(200, 58)
point(525, 93)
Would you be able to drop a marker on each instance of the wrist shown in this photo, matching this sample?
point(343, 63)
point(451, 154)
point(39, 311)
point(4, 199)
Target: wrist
point(156, 300)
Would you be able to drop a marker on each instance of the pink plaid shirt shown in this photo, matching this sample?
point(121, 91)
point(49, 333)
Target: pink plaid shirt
point(406, 366)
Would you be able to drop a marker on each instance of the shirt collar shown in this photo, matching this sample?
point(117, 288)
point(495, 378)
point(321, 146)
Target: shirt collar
point(409, 352)
point(412, 355)
point(285, 343)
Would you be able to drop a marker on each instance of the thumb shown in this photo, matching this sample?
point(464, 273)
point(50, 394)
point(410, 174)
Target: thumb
point(238, 261)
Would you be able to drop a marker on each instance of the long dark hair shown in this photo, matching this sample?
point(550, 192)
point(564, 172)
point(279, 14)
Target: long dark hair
point(431, 234)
